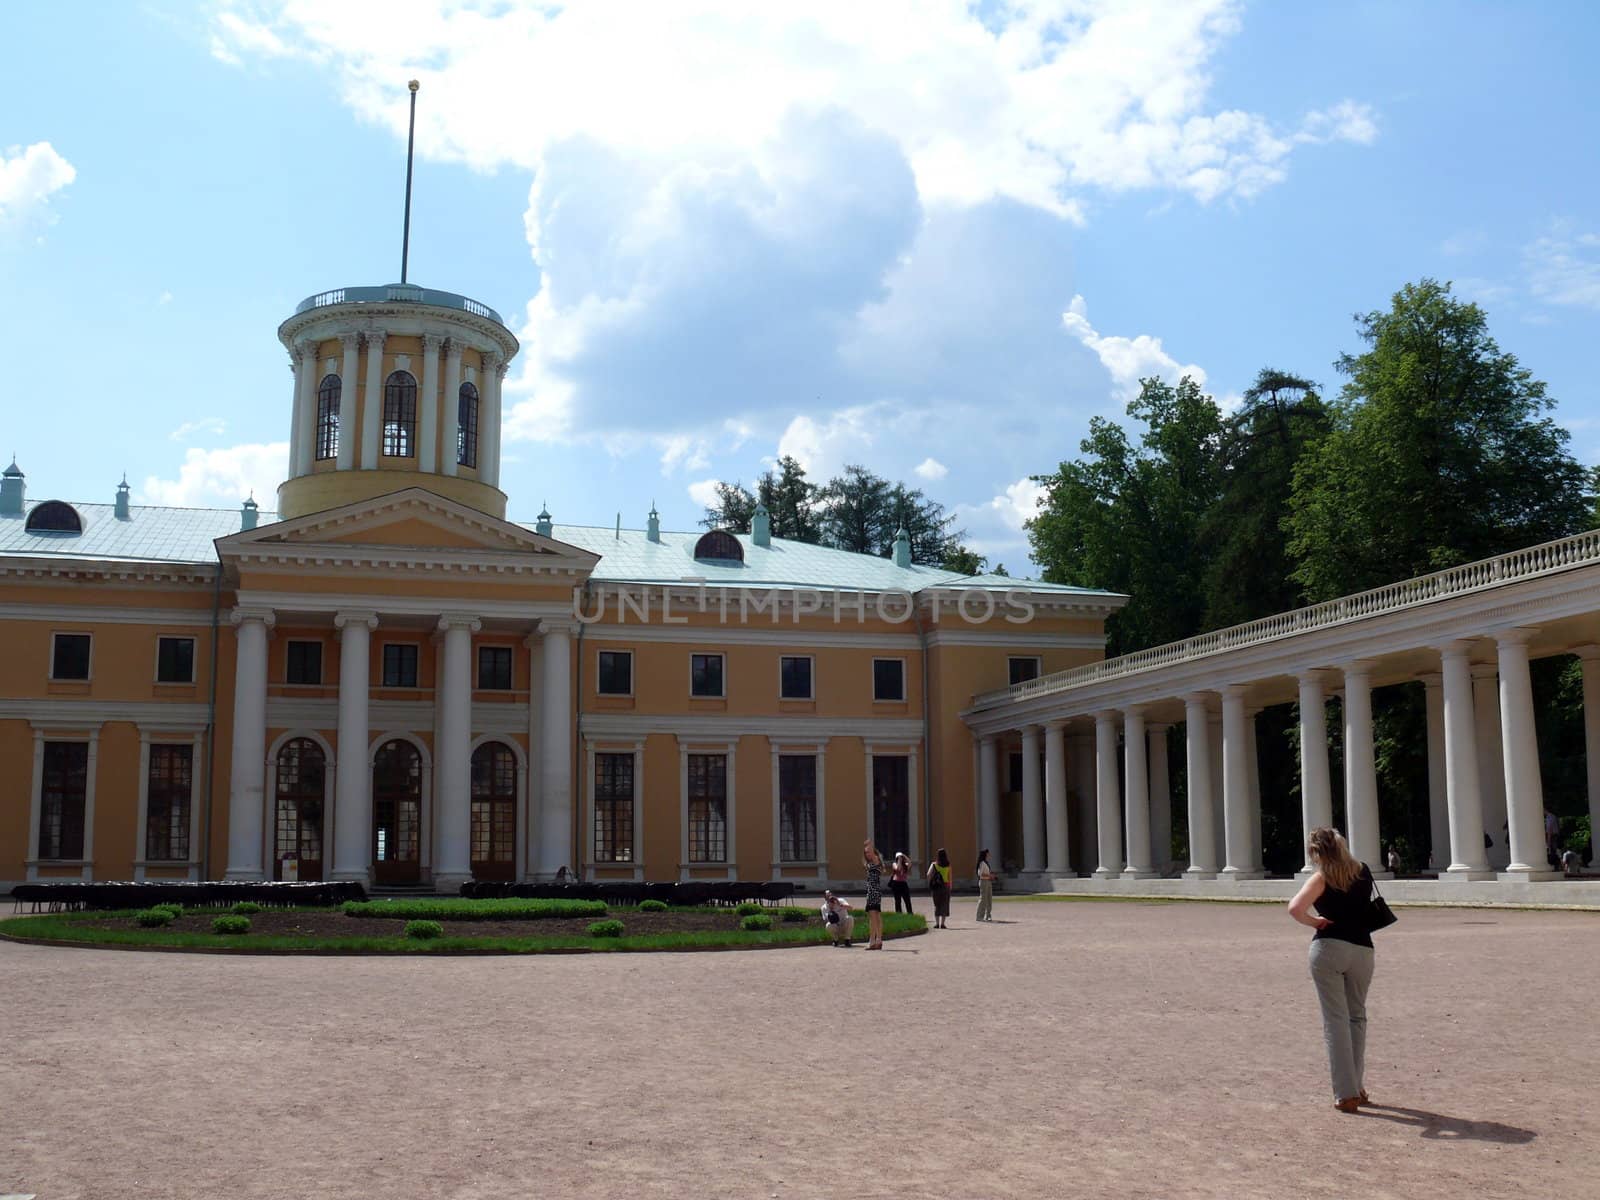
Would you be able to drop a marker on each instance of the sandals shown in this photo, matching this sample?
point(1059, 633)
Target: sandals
point(1349, 1104)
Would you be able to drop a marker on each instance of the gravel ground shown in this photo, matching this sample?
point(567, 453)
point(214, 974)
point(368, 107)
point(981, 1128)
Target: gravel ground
point(1068, 1049)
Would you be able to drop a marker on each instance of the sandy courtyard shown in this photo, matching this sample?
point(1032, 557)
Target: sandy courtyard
point(1069, 1049)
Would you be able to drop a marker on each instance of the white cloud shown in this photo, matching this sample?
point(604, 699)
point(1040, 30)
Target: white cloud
point(222, 478)
point(931, 469)
point(1564, 267)
point(704, 492)
point(29, 176)
point(1346, 121)
point(685, 451)
point(211, 425)
point(823, 447)
point(1019, 502)
point(1127, 359)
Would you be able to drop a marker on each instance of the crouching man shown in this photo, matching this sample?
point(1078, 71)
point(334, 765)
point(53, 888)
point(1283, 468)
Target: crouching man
point(836, 914)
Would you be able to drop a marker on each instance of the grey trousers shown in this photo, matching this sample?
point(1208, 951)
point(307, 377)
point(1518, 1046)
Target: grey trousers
point(1343, 973)
point(985, 899)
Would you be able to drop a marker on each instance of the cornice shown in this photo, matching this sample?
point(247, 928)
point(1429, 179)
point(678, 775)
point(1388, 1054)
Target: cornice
point(719, 727)
point(60, 712)
point(134, 572)
point(102, 614)
point(403, 319)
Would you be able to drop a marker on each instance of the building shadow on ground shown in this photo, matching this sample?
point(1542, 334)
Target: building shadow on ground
point(1436, 1125)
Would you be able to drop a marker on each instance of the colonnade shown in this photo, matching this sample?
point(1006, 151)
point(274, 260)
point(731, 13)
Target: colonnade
point(550, 731)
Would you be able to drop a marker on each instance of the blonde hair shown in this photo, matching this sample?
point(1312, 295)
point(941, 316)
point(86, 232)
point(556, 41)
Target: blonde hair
point(1331, 855)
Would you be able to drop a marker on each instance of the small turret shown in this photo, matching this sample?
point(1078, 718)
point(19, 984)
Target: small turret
point(652, 527)
point(248, 514)
point(544, 526)
point(902, 547)
point(13, 490)
point(122, 500)
point(761, 526)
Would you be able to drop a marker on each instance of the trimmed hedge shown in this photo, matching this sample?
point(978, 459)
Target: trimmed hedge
point(423, 930)
point(794, 916)
point(611, 928)
point(175, 909)
point(246, 908)
point(750, 908)
point(755, 922)
point(231, 925)
point(473, 910)
point(652, 906)
point(153, 918)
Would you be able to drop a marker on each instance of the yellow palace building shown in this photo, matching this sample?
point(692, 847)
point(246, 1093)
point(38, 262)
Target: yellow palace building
point(389, 682)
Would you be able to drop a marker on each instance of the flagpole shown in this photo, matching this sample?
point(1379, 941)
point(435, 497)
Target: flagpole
point(411, 141)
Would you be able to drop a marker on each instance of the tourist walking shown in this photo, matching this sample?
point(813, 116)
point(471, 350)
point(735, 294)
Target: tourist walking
point(900, 881)
point(985, 887)
point(873, 862)
point(939, 884)
point(1340, 889)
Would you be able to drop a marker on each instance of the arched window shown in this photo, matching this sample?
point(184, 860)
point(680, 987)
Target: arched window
point(302, 776)
point(494, 811)
point(396, 813)
point(467, 426)
point(328, 417)
point(400, 415)
point(54, 516)
point(721, 545)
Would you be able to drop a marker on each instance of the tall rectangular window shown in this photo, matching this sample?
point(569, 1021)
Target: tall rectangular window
point(175, 660)
point(400, 665)
point(328, 417)
point(705, 675)
point(613, 808)
point(794, 677)
point(303, 663)
point(888, 679)
point(1020, 670)
point(708, 808)
point(169, 789)
point(494, 668)
point(615, 674)
point(467, 426)
point(69, 656)
point(797, 807)
point(63, 794)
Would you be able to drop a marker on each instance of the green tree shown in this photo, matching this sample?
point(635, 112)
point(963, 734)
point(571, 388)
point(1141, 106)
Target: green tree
point(1129, 519)
point(791, 501)
point(968, 562)
point(1439, 454)
point(856, 508)
point(733, 509)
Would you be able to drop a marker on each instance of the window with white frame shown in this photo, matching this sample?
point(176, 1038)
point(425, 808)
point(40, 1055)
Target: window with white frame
point(708, 808)
point(170, 788)
point(613, 807)
point(888, 679)
point(794, 677)
point(175, 660)
point(797, 807)
point(63, 798)
point(69, 656)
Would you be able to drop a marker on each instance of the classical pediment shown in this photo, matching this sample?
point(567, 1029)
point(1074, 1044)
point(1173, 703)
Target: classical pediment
point(409, 527)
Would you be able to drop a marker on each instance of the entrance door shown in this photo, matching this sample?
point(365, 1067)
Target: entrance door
point(891, 803)
point(494, 812)
point(302, 776)
point(397, 814)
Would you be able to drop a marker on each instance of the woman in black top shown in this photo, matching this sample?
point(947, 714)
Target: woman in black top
point(1340, 889)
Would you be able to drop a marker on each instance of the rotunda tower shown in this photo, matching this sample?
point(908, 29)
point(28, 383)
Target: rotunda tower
point(395, 387)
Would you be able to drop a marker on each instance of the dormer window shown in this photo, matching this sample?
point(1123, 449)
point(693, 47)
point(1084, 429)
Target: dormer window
point(400, 415)
point(54, 516)
point(719, 545)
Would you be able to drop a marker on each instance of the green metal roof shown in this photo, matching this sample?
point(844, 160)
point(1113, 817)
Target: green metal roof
point(150, 534)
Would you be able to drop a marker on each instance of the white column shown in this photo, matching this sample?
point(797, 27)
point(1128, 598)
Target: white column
point(989, 795)
point(494, 369)
point(1202, 812)
point(1316, 788)
point(1361, 769)
point(1057, 841)
point(305, 405)
point(349, 398)
point(555, 811)
point(1032, 802)
point(1160, 800)
point(1462, 795)
point(1080, 766)
point(1591, 744)
point(372, 417)
point(247, 808)
point(1236, 784)
point(352, 797)
point(1438, 805)
point(1108, 800)
point(452, 776)
point(535, 805)
point(428, 410)
point(1491, 761)
point(452, 407)
point(1136, 784)
point(1520, 740)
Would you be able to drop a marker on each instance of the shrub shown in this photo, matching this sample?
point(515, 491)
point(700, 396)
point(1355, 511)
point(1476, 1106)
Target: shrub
point(424, 930)
point(794, 915)
point(756, 922)
point(652, 906)
point(750, 908)
point(170, 906)
point(612, 928)
point(153, 918)
point(460, 909)
point(245, 907)
point(231, 925)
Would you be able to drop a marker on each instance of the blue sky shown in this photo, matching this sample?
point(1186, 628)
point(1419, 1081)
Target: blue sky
point(934, 239)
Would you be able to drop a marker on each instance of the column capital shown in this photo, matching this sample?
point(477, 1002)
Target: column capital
point(1203, 699)
point(350, 339)
point(1517, 636)
point(453, 349)
point(1317, 676)
point(491, 360)
point(1134, 712)
point(355, 617)
point(1234, 691)
point(1459, 648)
point(432, 343)
point(467, 621)
point(1106, 716)
point(1032, 730)
point(1060, 724)
point(1356, 668)
point(374, 339)
point(986, 739)
point(252, 612)
point(552, 625)
point(501, 369)
point(307, 348)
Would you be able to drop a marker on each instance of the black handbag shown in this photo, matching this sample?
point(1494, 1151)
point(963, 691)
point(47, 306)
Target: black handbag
point(1380, 916)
